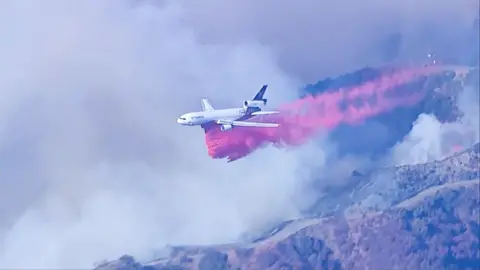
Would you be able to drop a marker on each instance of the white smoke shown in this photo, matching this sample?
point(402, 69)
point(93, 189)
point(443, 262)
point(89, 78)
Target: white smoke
point(431, 140)
point(92, 162)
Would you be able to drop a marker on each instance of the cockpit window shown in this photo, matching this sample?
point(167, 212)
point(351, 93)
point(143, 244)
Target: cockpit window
point(183, 118)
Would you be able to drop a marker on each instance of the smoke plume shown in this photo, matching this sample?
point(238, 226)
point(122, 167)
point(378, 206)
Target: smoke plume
point(92, 162)
point(432, 138)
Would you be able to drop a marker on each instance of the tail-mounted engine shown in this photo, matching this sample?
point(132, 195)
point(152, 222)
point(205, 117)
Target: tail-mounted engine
point(254, 103)
point(225, 127)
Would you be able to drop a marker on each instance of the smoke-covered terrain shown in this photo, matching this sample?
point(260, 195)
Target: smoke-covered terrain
point(93, 165)
point(423, 215)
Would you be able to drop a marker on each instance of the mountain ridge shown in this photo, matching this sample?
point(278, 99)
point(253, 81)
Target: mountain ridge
point(427, 204)
point(324, 242)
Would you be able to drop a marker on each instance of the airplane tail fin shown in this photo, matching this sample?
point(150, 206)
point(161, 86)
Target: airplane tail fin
point(261, 93)
point(206, 106)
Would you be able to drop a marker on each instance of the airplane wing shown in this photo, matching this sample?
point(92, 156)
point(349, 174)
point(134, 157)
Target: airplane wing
point(253, 124)
point(247, 124)
point(264, 112)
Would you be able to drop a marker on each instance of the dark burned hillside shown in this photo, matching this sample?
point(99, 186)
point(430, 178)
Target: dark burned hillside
point(378, 134)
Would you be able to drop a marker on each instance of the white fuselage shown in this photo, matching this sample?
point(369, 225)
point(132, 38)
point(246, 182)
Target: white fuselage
point(200, 118)
point(228, 118)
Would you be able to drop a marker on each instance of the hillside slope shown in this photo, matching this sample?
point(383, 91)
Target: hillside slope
point(427, 218)
point(382, 188)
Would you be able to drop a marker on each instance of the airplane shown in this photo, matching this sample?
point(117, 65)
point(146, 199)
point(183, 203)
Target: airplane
point(229, 118)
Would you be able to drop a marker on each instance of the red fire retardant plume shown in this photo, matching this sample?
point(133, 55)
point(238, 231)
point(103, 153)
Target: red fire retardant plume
point(303, 119)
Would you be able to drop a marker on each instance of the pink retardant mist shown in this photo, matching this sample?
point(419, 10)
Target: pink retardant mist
point(302, 119)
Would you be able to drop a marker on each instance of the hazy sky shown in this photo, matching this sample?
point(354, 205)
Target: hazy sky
point(316, 38)
point(92, 162)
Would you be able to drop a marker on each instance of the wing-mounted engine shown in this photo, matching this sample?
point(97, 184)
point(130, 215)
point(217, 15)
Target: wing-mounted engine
point(254, 103)
point(226, 127)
